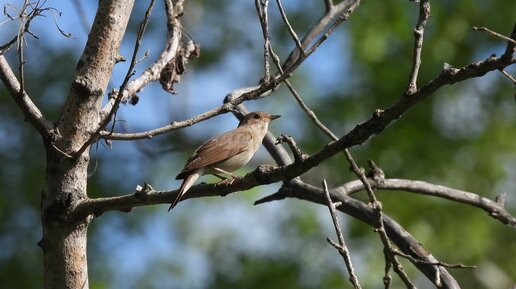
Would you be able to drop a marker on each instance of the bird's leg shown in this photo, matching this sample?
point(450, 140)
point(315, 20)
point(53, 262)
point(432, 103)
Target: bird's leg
point(225, 181)
point(224, 172)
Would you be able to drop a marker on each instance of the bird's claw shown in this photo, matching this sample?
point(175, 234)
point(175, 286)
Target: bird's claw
point(228, 181)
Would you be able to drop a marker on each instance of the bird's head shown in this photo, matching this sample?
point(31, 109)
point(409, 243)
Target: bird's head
point(257, 117)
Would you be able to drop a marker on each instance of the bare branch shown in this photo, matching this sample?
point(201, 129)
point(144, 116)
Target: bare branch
point(341, 246)
point(493, 208)
point(424, 14)
point(262, 9)
point(22, 99)
point(399, 236)
point(379, 226)
point(249, 94)
point(94, 137)
point(342, 17)
point(21, 42)
point(153, 73)
point(358, 135)
point(295, 189)
point(442, 264)
point(290, 29)
point(494, 33)
point(510, 77)
point(320, 26)
point(298, 154)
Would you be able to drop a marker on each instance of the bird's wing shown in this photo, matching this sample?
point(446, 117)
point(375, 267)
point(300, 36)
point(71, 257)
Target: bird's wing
point(216, 150)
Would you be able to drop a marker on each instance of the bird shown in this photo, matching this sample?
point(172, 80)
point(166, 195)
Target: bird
point(226, 152)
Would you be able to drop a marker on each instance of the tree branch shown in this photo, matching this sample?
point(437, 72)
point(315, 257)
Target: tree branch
point(494, 33)
point(399, 236)
point(23, 100)
point(341, 246)
point(343, 11)
point(80, 113)
point(153, 73)
point(114, 108)
point(295, 189)
point(267, 174)
point(424, 14)
point(493, 208)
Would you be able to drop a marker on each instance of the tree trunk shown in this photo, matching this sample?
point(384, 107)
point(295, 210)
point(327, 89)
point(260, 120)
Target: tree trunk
point(64, 239)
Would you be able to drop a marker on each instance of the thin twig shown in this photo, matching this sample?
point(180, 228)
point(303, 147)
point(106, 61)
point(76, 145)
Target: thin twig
point(508, 76)
point(424, 14)
point(94, 137)
point(442, 264)
point(254, 93)
point(342, 17)
point(21, 44)
point(298, 154)
point(494, 33)
point(319, 27)
point(262, 9)
point(341, 246)
point(290, 29)
point(380, 227)
point(169, 52)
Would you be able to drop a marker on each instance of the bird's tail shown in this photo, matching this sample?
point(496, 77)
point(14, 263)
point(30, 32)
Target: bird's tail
point(187, 183)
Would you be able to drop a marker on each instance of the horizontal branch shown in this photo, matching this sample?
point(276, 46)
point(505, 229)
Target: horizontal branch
point(493, 208)
point(266, 174)
point(22, 99)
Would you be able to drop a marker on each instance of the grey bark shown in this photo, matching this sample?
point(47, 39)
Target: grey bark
point(64, 238)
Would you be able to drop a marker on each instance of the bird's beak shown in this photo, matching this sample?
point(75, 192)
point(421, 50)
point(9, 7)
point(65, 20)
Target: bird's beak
point(274, 116)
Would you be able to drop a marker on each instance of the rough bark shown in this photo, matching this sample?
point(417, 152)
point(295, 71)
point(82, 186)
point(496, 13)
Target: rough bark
point(64, 239)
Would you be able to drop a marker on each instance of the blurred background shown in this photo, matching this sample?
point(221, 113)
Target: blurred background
point(462, 137)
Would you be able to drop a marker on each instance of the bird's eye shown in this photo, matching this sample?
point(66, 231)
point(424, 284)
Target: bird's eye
point(257, 116)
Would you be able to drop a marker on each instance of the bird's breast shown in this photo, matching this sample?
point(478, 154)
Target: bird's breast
point(235, 162)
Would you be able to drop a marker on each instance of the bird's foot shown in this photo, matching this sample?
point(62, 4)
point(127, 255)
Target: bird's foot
point(228, 181)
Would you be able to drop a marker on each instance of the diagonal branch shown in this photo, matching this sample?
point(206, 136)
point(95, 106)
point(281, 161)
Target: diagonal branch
point(362, 132)
point(341, 246)
point(290, 29)
point(399, 236)
point(336, 11)
point(494, 33)
point(153, 73)
point(22, 99)
point(342, 11)
point(104, 121)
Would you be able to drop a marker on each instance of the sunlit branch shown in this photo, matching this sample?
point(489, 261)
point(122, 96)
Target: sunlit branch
point(23, 100)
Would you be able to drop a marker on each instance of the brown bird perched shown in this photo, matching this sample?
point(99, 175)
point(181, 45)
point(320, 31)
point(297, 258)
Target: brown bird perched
point(226, 152)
